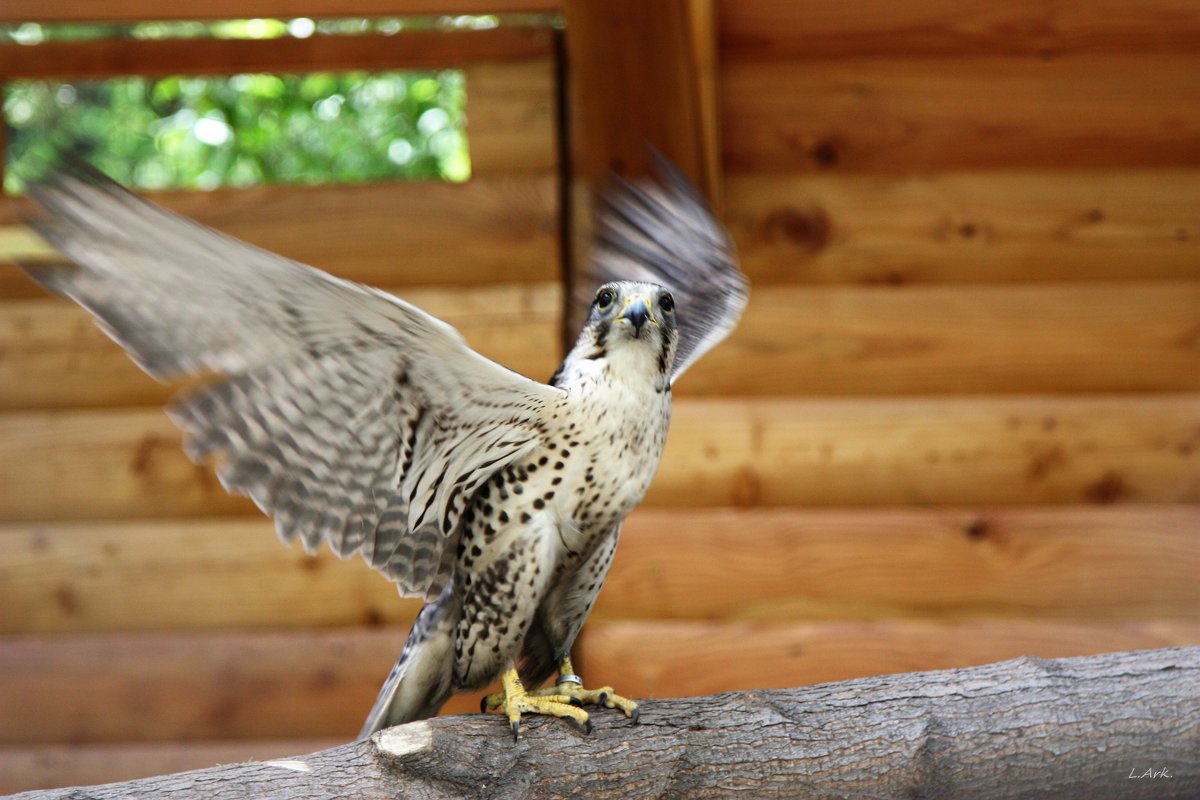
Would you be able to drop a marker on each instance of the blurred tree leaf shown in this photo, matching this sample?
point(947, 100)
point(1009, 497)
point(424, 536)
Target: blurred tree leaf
point(202, 133)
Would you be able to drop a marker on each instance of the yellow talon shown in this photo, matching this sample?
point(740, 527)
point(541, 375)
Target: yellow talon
point(516, 701)
point(560, 700)
point(571, 685)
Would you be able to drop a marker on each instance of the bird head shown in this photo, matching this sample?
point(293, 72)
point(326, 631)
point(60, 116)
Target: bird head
point(631, 327)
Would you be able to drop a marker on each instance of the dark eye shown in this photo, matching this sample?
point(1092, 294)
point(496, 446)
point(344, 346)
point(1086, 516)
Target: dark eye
point(666, 303)
point(605, 298)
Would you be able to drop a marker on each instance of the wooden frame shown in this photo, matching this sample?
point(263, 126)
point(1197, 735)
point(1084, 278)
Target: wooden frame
point(958, 422)
point(510, 203)
point(104, 58)
point(15, 11)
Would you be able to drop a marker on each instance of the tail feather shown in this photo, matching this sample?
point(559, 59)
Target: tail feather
point(421, 681)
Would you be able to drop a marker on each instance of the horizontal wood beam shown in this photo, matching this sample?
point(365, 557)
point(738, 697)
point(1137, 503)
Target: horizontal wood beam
point(904, 115)
point(814, 229)
point(965, 339)
point(937, 451)
point(771, 565)
point(206, 686)
point(126, 464)
point(140, 10)
point(776, 29)
point(180, 575)
point(52, 355)
point(699, 657)
point(493, 229)
point(965, 226)
point(833, 341)
point(202, 687)
point(790, 564)
point(105, 58)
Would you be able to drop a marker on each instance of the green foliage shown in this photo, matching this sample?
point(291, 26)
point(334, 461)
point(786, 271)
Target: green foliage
point(246, 129)
point(185, 132)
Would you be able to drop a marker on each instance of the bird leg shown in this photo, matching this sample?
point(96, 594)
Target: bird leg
point(571, 685)
point(568, 689)
point(515, 701)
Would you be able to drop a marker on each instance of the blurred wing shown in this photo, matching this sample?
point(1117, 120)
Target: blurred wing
point(663, 232)
point(347, 414)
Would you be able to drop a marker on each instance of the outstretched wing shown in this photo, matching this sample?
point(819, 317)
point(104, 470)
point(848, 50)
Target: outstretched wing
point(347, 414)
point(664, 233)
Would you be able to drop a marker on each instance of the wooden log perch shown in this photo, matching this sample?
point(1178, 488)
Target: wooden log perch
point(1119, 725)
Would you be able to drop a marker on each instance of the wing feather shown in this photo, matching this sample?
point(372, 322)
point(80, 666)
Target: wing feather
point(663, 232)
point(347, 414)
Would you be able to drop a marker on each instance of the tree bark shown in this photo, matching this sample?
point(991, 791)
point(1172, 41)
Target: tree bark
point(1119, 725)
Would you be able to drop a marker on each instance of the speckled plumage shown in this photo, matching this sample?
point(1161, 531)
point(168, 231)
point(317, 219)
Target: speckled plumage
point(359, 420)
point(538, 538)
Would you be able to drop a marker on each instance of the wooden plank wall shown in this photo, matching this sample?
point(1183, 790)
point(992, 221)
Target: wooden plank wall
point(102, 519)
point(970, 365)
point(960, 421)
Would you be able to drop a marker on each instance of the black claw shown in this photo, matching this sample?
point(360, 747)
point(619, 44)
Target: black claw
point(575, 701)
point(637, 713)
point(483, 705)
point(587, 726)
point(516, 728)
point(603, 698)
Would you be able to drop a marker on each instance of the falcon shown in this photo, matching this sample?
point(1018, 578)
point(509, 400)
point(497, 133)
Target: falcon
point(356, 419)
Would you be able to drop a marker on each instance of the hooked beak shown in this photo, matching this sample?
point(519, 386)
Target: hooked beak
point(636, 313)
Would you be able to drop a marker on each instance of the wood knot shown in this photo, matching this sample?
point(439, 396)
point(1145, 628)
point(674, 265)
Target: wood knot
point(66, 600)
point(977, 529)
point(747, 489)
point(1109, 489)
point(809, 228)
point(143, 456)
point(824, 153)
point(889, 277)
point(1045, 462)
